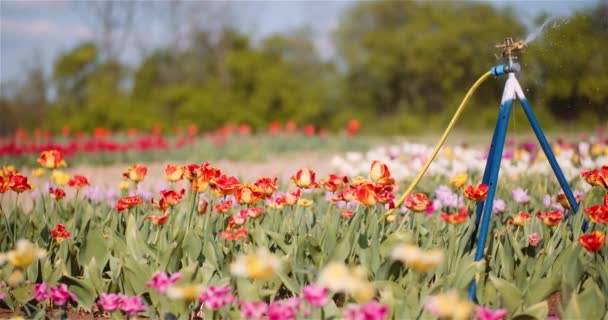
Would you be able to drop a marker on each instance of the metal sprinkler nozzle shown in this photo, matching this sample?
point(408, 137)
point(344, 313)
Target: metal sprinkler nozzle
point(509, 48)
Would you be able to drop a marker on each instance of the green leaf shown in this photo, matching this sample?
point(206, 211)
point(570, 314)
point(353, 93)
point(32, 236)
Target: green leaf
point(537, 311)
point(543, 288)
point(24, 293)
point(510, 296)
point(589, 304)
point(83, 289)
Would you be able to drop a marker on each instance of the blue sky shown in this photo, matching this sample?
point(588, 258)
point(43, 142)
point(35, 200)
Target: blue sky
point(37, 31)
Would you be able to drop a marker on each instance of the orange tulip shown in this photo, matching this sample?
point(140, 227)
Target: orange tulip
point(456, 218)
point(56, 193)
point(334, 183)
point(173, 173)
point(379, 173)
point(78, 182)
point(520, 219)
point(266, 186)
point(552, 218)
point(235, 234)
point(418, 202)
point(224, 185)
point(304, 178)
point(19, 183)
point(366, 195)
point(563, 201)
point(136, 173)
point(8, 171)
point(51, 159)
point(128, 203)
point(478, 193)
point(202, 206)
point(597, 177)
point(247, 194)
point(192, 171)
point(593, 242)
point(158, 220)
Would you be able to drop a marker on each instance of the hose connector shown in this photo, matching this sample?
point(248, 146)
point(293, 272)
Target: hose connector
point(504, 69)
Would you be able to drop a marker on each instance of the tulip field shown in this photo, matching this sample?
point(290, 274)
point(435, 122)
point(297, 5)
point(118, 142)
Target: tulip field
point(207, 244)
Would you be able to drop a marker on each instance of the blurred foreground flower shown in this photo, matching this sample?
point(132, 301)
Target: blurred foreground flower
point(483, 313)
point(214, 298)
point(370, 311)
point(161, 281)
point(338, 277)
point(23, 255)
point(187, 292)
point(449, 306)
point(258, 265)
point(315, 295)
point(253, 310)
point(416, 258)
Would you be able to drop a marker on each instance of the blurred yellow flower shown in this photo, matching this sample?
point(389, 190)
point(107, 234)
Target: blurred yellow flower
point(391, 218)
point(596, 150)
point(188, 292)
point(416, 258)
point(258, 265)
point(359, 180)
point(38, 172)
point(338, 277)
point(59, 177)
point(449, 306)
point(459, 180)
point(24, 254)
point(305, 203)
point(124, 185)
point(15, 278)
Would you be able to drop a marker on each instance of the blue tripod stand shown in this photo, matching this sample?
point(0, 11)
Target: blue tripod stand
point(512, 91)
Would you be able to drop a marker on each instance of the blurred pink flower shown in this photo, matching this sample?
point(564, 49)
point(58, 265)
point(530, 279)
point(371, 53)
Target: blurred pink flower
point(161, 280)
point(520, 195)
point(533, 239)
point(133, 305)
point(370, 311)
point(483, 313)
point(41, 291)
point(282, 310)
point(216, 297)
point(110, 302)
point(253, 310)
point(316, 296)
point(60, 295)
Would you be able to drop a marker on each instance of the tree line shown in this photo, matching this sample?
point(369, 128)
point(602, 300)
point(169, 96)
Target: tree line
point(400, 67)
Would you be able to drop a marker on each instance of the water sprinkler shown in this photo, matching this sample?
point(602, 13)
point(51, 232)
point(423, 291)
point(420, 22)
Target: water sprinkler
point(512, 91)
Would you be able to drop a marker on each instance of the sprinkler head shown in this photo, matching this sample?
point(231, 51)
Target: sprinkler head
point(509, 47)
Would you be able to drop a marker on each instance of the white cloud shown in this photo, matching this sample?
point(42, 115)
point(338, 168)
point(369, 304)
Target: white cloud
point(43, 28)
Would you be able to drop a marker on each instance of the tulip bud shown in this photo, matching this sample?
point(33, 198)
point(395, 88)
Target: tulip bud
point(202, 206)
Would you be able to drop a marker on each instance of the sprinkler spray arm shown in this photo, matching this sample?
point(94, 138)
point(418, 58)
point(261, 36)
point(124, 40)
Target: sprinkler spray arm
point(509, 48)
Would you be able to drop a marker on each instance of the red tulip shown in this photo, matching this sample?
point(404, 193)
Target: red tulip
point(478, 193)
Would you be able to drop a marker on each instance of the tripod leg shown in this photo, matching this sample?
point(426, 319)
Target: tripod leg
point(484, 180)
point(501, 133)
point(549, 154)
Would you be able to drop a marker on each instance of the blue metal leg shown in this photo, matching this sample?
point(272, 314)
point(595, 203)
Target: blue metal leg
point(484, 180)
point(549, 154)
point(501, 133)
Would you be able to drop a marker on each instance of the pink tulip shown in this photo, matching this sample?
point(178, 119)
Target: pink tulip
point(253, 310)
point(216, 297)
point(483, 313)
point(533, 240)
point(110, 302)
point(161, 280)
point(60, 295)
point(133, 305)
point(370, 311)
point(316, 296)
point(41, 291)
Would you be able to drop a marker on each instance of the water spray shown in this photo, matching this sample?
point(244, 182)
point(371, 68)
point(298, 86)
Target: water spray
point(512, 91)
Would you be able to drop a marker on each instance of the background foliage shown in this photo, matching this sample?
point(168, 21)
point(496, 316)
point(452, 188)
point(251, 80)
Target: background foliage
point(401, 66)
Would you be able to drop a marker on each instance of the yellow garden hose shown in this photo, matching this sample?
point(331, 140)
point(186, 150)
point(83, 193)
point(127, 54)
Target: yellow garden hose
point(466, 99)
